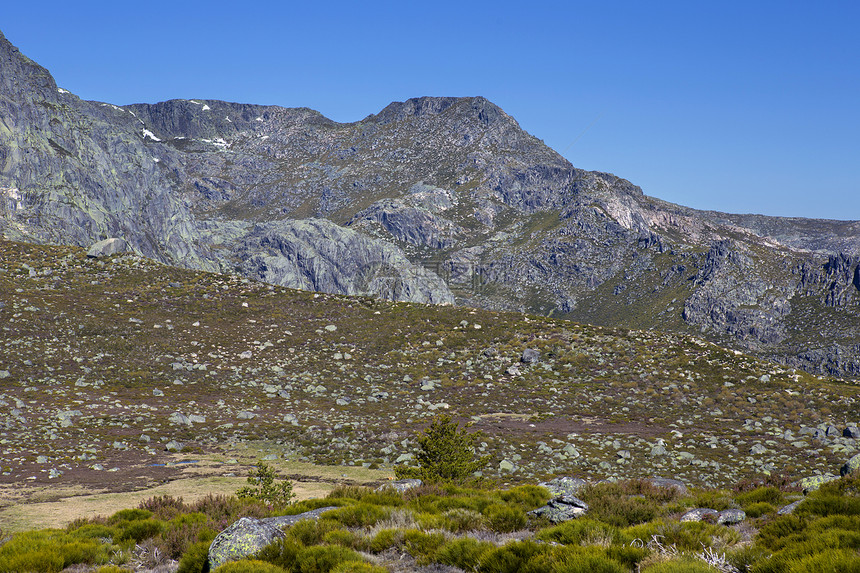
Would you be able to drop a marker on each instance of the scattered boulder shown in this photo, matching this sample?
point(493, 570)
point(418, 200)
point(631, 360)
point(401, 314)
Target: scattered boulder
point(507, 465)
point(564, 485)
point(813, 483)
point(402, 485)
point(785, 510)
point(731, 516)
point(530, 356)
point(699, 514)
point(851, 466)
point(832, 431)
point(107, 248)
point(249, 535)
point(562, 508)
point(851, 432)
point(669, 483)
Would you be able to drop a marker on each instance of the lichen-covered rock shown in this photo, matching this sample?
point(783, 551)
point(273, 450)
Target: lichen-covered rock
point(562, 508)
point(699, 514)
point(814, 482)
point(244, 537)
point(402, 485)
point(851, 466)
point(678, 485)
point(731, 516)
point(788, 509)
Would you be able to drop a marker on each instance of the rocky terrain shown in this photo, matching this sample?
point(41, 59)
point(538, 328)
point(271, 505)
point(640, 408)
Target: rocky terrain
point(437, 200)
point(110, 364)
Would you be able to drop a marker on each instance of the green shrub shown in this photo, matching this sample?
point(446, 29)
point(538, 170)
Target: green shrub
point(422, 546)
point(195, 559)
point(464, 553)
point(510, 558)
point(687, 536)
point(769, 495)
point(527, 497)
point(343, 538)
point(94, 531)
point(129, 515)
point(358, 567)
point(681, 565)
point(583, 531)
point(445, 453)
point(582, 560)
point(505, 519)
point(262, 487)
point(460, 520)
point(183, 531)
point(324, 558)
point(283, 553)
point(311, 531)
point(758, 509)
point(714, 499)
point(828, 561)
point(138, 530)
point(360, 514)
point(249, 566)
point(50, 551)
point(386, 539)
point(164, 506)
point(111, 569)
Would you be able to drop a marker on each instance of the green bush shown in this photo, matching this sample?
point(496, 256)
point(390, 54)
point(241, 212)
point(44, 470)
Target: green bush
point(94, 531)
point(386, 539)
point(464, 553)
point(195, 559)
point(311, 531)
point(283, 553)
point(583, 531)
point(361, 514)
point(342, 538)
point(769, 495)
point(510, 558)
point(828, 561)
point(358, 567)
point(422, 546)
point(681, 565)
point(583, 560)
point(505, 519)
point(262, 487)
point(129, 515)
point(446, 453)
point(324, 558)
point(249, 566)
point(460, 520)
point(528, 497)
point(50, 551)
point(139, 530)
point(714, 499)
point(758, 509)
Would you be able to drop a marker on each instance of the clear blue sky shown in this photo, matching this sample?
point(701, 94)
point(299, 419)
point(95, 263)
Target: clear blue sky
point(747, 107)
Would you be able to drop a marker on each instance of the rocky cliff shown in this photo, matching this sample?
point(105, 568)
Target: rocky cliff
point(434, 200)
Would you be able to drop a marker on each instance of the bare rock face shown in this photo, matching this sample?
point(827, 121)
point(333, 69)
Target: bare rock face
point(107, 248)
point(436, 200)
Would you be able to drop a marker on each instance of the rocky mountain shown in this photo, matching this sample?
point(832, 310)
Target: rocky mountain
point(436, 200)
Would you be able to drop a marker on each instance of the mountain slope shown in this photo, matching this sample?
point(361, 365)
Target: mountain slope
point(431, 200)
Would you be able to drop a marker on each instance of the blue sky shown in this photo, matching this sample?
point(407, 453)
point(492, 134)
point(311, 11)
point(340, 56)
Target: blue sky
point(749, 107)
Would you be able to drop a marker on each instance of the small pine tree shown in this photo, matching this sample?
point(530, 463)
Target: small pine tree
point(263, 487)
point(446, 453)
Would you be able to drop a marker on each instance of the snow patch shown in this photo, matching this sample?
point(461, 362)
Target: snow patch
point(62, 91)
point(228, 119)
point(150, 135)
point(259, 119)
point(218, 142)
point(206, 108)
point(194, 101)
point(264, 137)
point(156, 160)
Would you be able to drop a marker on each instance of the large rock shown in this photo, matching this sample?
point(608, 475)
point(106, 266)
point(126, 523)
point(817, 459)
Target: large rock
point(814, 482)
point(851, 466)
point(244, 537)
point(700, 514)
point(677, 485)
point(731, 516)
point(564, 485)
point(562, 508)
point(249, 535)
point(107, 248)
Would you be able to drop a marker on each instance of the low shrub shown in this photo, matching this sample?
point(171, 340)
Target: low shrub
point(138, 530)
point(311, 531)
point(680, 565)
point(50, 551)
point(528, 497)
point(714, 499)
point(758, 509)
point(460, 520)
point(464, 553)
point(510, 558)
point(583, 531)
point(583, 560)
point(324, 558)
point(164, 506)
point(358, 567)
point(249, 566)
point(768, 494)
point(504, 518)
point(386, 539)
point(129, 515)
point(361, 514)
point(422, 546)
point(195, 559)
point(283, 553)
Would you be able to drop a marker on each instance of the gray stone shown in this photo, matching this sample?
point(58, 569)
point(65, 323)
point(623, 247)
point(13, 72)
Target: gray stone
point(245, 415)
point(832, 431)
point(179, 418)
point(758, 449)
point(698, 514)
point(565, 485)
point(402, 485)
point(562, 508)
point(530, 356)
point(669, 483)
point(787, 509)
point(507, 465)
point(107, 248)
point(731, 516)
point(658, 451)
point(851, 466)
point(851, 432)
point(173, 446)
point(814, 482)
point(244, 537)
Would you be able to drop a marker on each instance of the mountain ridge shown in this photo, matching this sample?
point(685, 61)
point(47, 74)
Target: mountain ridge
point(450, 199)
